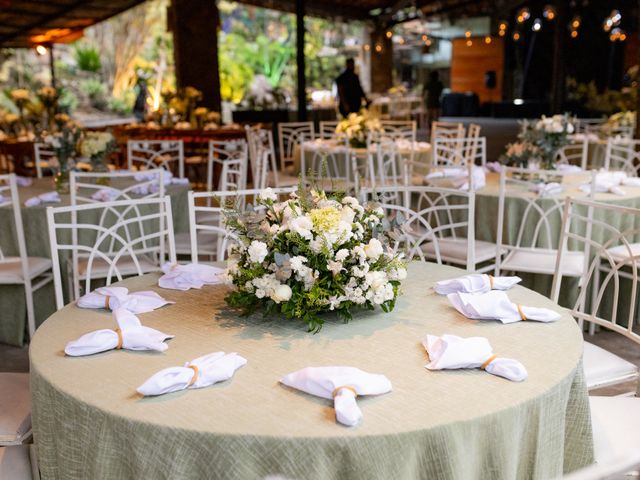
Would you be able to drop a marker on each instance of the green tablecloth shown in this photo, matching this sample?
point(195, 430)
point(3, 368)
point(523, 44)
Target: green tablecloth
point(13, 313)
point(89, 422)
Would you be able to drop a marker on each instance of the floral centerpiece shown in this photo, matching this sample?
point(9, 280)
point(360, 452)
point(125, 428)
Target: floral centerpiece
point(521, 154)
point(619, 121)
point(64, 143)
point(49, 98)
point(309, 255)
point(96, 146)
point(21, 98)
point(549, 134)
point(357, 126)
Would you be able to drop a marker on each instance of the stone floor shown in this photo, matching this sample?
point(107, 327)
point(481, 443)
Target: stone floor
point(13, 359)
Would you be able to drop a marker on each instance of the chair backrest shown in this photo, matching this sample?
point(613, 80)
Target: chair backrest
point(473, 130)
point(43, 155)
point(90, 187)
point(446, 130)
point(109, 240)
point(532, 219)
point(399, 129)
point(459, 152)
point(261, 155)
point(576, 153)
point(147, 154)
point(209, 235)
point(612, 263)
point(385, 168)
point(623, 154)
point(230, 160)
point(327, 128)
point(430, 215)
point(588, 125)
point(291, 134)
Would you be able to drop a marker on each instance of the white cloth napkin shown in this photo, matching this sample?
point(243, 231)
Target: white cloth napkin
point(450, 352)
point(547, 189)
point(24, 181)
point(49, 197)
point(566, 168)
point(448, 173)
point(192, 275)
point(144, 176)
point(603, 187)
point(479, 177)
point(201, 372)
point(342, 384)
point(495, 167)
point(114, 298)
point(130, 335)
point(495, 305)
point(475, 283)
point(105, 195)
point(610, 182)
point(179, 181)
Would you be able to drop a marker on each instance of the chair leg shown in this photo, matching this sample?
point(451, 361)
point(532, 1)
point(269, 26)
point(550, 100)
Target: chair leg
point(35, 471)
point(31, 316)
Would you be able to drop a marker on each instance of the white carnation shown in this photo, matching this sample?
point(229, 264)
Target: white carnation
point(302, 225)
point(268, 194)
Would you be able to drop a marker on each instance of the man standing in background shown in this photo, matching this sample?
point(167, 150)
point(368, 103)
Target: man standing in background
point(434, 89)
point(350, 93)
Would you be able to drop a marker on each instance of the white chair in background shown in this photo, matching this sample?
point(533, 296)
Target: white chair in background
point(231, 159)
point(262, 158)
point(576, 153)
point(88, 187)
point(291, 134)
point(110, 240)
point(459, 152)
point(399, 129)
point(439, 225)
point(32, 273)
point(534, 246)
point(44, 158)
point(446, 130)
point(623, 154)
point(588, 125)
point(209, 235)
point(616, 259)
point(327, 129)
point(384, 168)
point(149, 154)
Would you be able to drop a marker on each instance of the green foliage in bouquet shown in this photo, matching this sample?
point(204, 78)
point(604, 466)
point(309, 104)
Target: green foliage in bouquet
point(311, 254)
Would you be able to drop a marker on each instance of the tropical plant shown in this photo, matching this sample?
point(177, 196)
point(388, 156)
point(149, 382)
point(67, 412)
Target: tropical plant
point(87, 58)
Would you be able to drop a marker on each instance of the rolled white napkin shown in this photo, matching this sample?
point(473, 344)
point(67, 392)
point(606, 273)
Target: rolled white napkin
point(201, 372)
point(566, 168)
point(495, 305)
point(130, 335)
point(547, 189)
point(105, 195)
point(603, 187)
point(475, 283)
point(23, 181)
point(113, 298)
point(49, 197)
point(144, 176)
point(450, 352)
point(342, 384)
point(192, 275)
point(448, 172)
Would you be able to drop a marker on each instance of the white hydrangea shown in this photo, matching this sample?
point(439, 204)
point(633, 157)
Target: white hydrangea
point(268, 194)
point(342, 255)
point(301, 225)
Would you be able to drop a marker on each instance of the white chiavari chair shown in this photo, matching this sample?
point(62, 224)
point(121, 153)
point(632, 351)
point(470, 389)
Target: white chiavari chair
point(44, 158)
point(384, 169)
point(575, 153)
point(90, 187)
point(446, 130)
point(608, 264)
point(148, 154)
point(459, 152)
point(623, 154)
point(399, 129)
point(327, 129)
point(263, 160)
point(291, 134)
point(210, 238)
point(526, 232)
point(230, 159)
point(109, 241)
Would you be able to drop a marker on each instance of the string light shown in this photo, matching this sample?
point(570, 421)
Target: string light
point(487, 40)
point(367, 47)
point(574, 34)
point(389, 34)
point(501, 33)
point(523, 15)
point(537, 25)
point(424, 38)
point(617, 35)
point(516, 36)
point(467, 34)
point(378, 48)
point(401, 40)
point(41, 49)
point(428, 42)
point(549, 12)
point(613, 20)
point(576, 22)
point(469, 43)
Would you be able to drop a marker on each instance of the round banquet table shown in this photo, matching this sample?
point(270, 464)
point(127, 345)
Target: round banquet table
point(34, 220)
point(89, 422)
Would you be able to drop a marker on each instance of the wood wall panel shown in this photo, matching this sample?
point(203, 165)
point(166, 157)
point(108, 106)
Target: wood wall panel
point(469, 64)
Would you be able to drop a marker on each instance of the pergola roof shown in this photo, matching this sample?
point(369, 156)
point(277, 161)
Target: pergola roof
point(26, 23)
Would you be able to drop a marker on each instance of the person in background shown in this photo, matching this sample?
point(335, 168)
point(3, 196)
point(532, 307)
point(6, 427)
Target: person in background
point(350, 93)
point(434, 89)
point(140, 105)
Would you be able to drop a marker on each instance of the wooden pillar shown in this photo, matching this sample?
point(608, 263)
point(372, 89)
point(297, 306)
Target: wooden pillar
point(381, 60)
point(302, 80)
point(558, 79)
point(194, 24)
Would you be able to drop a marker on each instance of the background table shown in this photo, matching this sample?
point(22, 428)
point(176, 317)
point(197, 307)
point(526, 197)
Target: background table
point(90, 423)
point(13, 313)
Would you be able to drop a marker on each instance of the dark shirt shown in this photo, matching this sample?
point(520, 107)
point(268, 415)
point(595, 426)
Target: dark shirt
point(434, 91)
point(350, 93)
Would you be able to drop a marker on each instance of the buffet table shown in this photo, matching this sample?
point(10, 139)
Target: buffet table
point(89, 422)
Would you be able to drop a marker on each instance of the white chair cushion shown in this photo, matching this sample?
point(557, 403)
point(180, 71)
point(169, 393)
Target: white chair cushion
point(15, 410)
point(541, 260)
point(616, 426)
point(125, 265)
point(602, 367)
point(455, 250)
point(15, 463)
point(11, 270)
point(621, 252)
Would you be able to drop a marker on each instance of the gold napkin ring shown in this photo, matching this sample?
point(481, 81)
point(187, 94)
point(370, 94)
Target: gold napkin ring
point(522, 315)
point(107, 299)
point(491, 282)
point(337, 389)
point(119, 333)
point(195, 374)
point(488, 361)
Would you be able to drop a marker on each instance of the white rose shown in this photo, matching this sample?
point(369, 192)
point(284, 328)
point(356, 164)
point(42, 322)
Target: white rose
point(302, 226)
point(348, 215)
point(342, 254)
point(257, 251)
point(268, 194)
point(282, 293)
point(373, 249)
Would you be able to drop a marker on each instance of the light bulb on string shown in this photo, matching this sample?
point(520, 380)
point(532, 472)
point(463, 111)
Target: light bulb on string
point(576, 22)
point(469, 43)
point(389, 34)
point(467, 34)
point(516, 36)
point(523, 15)
point(549, 12)
point(41, 50)
point(487, 40)
point(537, 25)
point(574, 34)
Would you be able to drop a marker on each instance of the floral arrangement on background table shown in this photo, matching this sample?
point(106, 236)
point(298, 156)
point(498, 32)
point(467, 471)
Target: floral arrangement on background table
point(309, 255)
point(549, 134)
point(96, 146)
point(64, 143)
point(522, 155)
point(357, 126)
point(619, 121)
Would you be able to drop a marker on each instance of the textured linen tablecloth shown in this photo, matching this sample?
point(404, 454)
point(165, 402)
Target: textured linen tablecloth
point(90, 423)
point(13, 310)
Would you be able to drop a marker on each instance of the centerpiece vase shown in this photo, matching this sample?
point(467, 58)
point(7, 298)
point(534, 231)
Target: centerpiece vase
point(99, 165)
point(61, 180)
